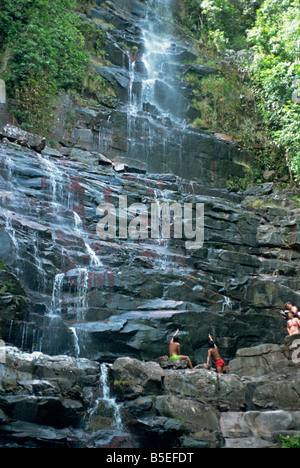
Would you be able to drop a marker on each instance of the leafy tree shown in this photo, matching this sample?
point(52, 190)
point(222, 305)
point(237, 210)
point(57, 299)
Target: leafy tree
point(225, 21)
point(290, 442)
point(47, 54)
point(276, 74)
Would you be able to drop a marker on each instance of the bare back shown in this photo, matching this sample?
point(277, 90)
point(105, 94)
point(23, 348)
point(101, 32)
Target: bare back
point(174, 348)
point(215, 353)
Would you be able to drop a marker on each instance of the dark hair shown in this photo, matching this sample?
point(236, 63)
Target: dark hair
point(211, 344)
point(176, 339)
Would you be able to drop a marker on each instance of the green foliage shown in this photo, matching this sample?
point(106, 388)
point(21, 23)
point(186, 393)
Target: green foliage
point(47, 55)
point(224, 21)
point(256, 98)
point(227, 105)
point(276, 74)
point(290, 442)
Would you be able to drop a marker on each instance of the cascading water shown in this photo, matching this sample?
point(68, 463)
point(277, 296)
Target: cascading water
point(107, 399)
point(50, 204)
point(56, 276)
point(56, 304)
point(94, 259)
point(156, 108)
point(158, 87)
point(76, 342)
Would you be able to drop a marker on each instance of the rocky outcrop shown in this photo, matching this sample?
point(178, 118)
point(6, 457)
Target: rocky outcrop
point(119, 295)
point(57, 402)
point(61, 401)
point(14, 305)
point(23, 138)
point(40, 394)
point(129, 127)
point(250, 407)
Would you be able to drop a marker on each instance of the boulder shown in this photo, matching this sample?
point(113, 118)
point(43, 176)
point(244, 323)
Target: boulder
point(269, 176)
point(103, 161)
point(54, 153)
point(258, 429)
point(61, 373)
point(166, 363)
point(291, 348)
point(223, 392)
point(134, 378)
point(195, 416)
point(15, 134)
point(259, 361)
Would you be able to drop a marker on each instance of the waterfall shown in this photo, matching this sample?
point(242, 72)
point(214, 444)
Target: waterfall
point(76, 342)
point(159, 87)
point(82, 289)
point(38, 262)
point(56, 178)
point(155, 102)
point(158, 54)
point(16, 245)
point(94, 259)
point(107, 399)
point(105, 137)
point(56, 303)
point(12, 233)
point(227, 305)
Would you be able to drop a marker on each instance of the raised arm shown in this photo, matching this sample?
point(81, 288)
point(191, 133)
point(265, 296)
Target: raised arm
point(175, 334)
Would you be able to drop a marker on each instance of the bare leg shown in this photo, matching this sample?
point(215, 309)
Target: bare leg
point(186, 358)
point(220, 370)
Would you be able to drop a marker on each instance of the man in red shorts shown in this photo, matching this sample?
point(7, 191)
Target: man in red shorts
point(214, 353)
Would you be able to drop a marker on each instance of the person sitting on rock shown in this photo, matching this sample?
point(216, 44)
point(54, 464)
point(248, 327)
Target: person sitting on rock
point(293, 325)
point(175, 351)
point(292, 308)
point(289, 307)
point(214, 353)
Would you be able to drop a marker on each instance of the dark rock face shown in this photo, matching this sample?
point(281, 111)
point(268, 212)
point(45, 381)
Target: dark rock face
point(60, 401)
point(251, 406)
point(14, 307)
point(148, 123)
point(66, 291)
point(127, 296)
point(56, 402)
point(23, 138)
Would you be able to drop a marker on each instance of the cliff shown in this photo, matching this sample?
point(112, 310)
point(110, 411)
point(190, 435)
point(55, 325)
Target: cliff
point(61, 401)
point(67, 291)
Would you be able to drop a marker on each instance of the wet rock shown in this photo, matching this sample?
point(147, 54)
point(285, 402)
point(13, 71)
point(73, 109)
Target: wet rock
point(258, 429)
point(54, 153)
point(251, 406)
point(134, 378)
point(15, 134)
point(103, 161)
point(259, 361)
point(43, 391)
